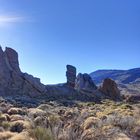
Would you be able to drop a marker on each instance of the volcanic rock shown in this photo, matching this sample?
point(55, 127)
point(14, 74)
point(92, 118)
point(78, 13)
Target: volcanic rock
point(131, 97)
point(12, 80)
point(110, 89)
point(84, 82)
point(11, 57)
point(71, 75)
point(35, 82)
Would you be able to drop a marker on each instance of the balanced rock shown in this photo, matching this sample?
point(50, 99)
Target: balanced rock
point(110, 89)
point(71, 75)
point(84, 82)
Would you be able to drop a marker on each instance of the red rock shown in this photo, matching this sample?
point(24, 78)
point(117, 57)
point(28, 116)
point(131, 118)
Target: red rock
point(110, 89)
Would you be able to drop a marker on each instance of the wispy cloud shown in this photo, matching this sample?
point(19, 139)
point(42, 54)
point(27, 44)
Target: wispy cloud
point(11, 19)
point(6, 20)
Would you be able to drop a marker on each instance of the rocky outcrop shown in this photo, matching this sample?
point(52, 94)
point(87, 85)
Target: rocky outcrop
point(131, 98)
point(84, 82)
point(35, 82)
point(11, 57)
point(110, 89)
point(12, 80)
point(71, 75)
point(18, 85)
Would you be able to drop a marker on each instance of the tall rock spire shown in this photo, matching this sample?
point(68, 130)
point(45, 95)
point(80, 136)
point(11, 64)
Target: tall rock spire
point(71, 75)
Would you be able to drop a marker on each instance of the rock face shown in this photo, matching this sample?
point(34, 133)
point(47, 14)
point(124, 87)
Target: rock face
point(84, 81)
point(71, 75)
point(110, 89)
point(12, 80)
point(12, 59)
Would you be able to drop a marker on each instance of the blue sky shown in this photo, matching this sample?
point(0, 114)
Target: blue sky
point(89, 34)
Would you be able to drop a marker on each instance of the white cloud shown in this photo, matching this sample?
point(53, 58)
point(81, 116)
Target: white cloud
point(8, 20)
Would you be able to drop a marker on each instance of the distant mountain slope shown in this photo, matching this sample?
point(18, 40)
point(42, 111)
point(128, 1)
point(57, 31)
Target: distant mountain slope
point(120, 76)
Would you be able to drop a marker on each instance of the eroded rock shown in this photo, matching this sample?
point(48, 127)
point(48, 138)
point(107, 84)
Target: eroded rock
point(11, 57)
point(13, 81)
point(71, 75)
point(84, 82)
point(110, 89)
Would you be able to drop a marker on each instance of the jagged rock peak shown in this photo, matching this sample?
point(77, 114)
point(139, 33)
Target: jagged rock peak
point(110, 89)
point(13, 81)
point(12, 57)
point(71, 75)
point(9, 59)
point(84, 82)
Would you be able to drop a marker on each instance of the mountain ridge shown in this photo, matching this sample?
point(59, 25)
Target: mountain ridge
point(120, 76)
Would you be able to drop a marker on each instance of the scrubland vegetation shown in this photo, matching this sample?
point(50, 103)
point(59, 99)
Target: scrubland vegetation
point(108, 120)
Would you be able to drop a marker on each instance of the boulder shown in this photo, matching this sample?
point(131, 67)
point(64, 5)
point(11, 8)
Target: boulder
point(71, 75)
point(84, 82)
point(110, 89)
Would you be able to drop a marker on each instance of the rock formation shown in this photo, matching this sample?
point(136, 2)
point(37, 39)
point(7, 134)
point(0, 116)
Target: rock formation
point(85, 82)
point(71, 75)
point(16, 84)
point(131, 98)
point(11, 57)
point(12, 80)
point(110, 89)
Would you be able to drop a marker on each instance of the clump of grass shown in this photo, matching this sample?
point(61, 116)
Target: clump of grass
point(90, 103)
point(21, 136)
point(40, 133)
point(6, 135)
point(126, 106)
point(124, 123)
point(5, 125)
